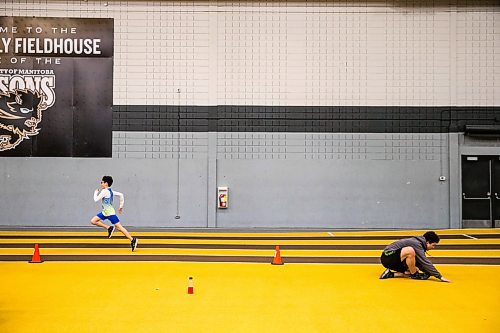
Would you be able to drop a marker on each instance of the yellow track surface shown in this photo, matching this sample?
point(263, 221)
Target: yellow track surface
point(152, 297)
point(134, 296)
point(226, 252)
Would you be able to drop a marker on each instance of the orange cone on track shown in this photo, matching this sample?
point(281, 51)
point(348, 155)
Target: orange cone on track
point(277, 257)
point(36, 256)
point(190, 286)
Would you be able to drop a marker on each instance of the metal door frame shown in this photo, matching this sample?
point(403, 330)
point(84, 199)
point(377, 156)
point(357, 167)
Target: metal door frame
point(490, 195)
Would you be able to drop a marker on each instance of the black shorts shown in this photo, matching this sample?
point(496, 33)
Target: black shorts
point(392, 260)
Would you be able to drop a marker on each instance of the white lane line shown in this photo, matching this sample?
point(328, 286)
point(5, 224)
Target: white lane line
point(468, 236)
point(331, 234)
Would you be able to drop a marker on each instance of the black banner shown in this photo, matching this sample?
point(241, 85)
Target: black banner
point(56, 87)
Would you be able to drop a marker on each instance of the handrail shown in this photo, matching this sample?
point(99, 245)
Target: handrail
point(484, 198)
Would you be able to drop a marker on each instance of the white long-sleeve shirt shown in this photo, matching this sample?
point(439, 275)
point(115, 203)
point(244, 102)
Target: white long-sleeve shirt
point(107, 200)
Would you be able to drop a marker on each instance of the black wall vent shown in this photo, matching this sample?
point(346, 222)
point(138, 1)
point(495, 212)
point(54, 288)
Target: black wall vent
point(492, 131)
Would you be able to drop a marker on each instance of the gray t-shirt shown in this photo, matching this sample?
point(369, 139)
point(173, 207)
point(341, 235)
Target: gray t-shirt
point(419, 244)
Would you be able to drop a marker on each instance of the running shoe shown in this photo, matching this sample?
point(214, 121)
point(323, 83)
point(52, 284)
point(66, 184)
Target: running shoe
point(110, 231)
point(133, 243)
point(387, 274)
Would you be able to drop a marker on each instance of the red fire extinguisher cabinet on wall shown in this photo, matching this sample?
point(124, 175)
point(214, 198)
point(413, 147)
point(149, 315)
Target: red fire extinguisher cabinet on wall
point(222, 197)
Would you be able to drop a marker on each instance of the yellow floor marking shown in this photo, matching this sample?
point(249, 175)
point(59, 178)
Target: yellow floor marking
point(418, 232)
point(236, 252)
point(332, 241)
point(380, 233)
point(469, 241)
point(175, 234)
point(152, 297)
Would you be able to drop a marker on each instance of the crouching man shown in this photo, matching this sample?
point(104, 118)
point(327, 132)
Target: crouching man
point(406, 257)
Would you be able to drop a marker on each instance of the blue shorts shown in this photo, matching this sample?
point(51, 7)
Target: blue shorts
point(112, 218)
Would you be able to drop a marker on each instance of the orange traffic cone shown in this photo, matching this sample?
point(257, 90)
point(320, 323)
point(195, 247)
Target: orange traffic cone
point(190, 286)
point(277, 257)
point(36, 256)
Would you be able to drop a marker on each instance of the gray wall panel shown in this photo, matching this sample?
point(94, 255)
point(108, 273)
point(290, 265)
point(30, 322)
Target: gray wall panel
point(281, 180)
point(275, 180)
point(333, 194)
point(58, 192)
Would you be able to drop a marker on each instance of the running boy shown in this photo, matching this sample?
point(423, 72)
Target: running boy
point(108, 211)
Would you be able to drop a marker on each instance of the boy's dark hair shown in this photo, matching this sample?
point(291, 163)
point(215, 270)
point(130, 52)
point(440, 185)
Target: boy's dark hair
point(108, 179)
point(431, 237)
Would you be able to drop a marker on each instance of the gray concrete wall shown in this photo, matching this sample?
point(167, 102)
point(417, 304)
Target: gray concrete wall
point(334, 180)
point(59, 191)
point(281, 180)
point(333, 194)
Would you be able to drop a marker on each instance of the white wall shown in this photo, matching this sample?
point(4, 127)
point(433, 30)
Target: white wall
point(412, 53)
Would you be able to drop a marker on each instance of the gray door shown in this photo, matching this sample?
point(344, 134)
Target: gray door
point(480, 191)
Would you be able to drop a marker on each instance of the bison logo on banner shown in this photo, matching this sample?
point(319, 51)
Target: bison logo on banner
point(20, 116)
point(23, 98)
